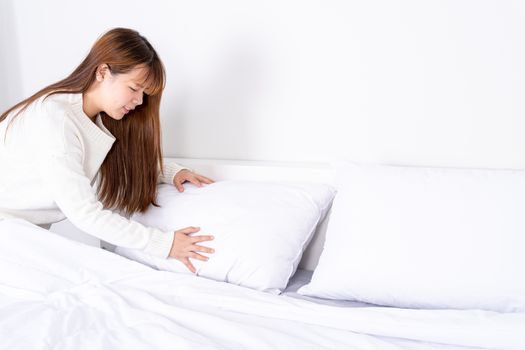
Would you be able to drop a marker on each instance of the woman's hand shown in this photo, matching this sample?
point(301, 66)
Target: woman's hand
point(186, 175)
point(184, 247)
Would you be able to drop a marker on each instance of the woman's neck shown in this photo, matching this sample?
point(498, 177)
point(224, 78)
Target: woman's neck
point(89, 106)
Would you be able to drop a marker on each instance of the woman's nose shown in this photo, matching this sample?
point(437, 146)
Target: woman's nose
point(138, 100)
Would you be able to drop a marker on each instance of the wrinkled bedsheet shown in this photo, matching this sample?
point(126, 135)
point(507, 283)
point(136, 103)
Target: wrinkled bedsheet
point(60, 294)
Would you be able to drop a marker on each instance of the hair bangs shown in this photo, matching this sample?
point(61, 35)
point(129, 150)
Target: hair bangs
point(154, 79)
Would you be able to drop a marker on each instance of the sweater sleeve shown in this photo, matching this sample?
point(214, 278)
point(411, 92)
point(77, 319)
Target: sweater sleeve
point(63, 173)
point(169, 170)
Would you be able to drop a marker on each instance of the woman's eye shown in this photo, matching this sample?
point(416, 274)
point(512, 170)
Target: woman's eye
point(132, 89)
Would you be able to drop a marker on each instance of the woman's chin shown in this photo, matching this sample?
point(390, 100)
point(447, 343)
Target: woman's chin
point(116, 116)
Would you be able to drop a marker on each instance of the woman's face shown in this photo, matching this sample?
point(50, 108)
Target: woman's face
point(121, 93)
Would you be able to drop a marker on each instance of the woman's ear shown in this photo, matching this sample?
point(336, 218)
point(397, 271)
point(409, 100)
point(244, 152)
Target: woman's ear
point(102, 72)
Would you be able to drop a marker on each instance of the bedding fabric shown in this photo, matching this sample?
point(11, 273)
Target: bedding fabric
point(302, 278)
point(425, 238)
point(60, 294)
point(260, 228)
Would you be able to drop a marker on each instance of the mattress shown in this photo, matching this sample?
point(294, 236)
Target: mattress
point(60, 294)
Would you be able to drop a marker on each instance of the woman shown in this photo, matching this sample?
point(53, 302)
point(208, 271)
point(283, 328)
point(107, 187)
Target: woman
point(103, 120)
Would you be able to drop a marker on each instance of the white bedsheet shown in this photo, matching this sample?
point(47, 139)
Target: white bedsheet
point(303, 277)
point(60, 294)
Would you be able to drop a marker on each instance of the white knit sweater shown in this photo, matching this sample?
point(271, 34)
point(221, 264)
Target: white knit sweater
point(49, 159)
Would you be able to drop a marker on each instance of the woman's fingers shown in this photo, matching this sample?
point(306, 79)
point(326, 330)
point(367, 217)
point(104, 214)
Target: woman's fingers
point(184, 247)
point(195, 180)
point(189, 265)
point(197, 239)
point(179, 187)
point(198, 248)
point(205, 179)
point(186, 175)
point(190, 229)
point(198, 180)
point(198, 256)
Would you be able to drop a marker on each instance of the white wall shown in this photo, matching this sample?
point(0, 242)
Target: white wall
point(10, 87)
point(408, 82)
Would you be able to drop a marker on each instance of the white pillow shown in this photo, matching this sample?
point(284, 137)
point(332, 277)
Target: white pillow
point(425, 238)
point(260, 228)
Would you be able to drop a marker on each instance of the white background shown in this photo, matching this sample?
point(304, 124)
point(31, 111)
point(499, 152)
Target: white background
point(436, 83)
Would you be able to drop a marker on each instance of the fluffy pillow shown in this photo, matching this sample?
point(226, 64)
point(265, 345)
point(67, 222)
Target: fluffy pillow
point(425, 238)
point(260, 228)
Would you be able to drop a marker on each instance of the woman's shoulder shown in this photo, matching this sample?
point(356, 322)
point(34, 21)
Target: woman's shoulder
point(56, 111)
point(53, 114)
point(45, 122)
point(60, 102)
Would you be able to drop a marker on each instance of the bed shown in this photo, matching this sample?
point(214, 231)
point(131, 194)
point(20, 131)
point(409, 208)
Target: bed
point(58, 293)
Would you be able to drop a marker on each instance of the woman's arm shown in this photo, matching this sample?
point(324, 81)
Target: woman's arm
point(169, 170)
point(176, 175)
point(63, 173)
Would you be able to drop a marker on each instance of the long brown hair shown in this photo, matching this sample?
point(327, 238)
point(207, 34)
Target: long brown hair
point(128, 175)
